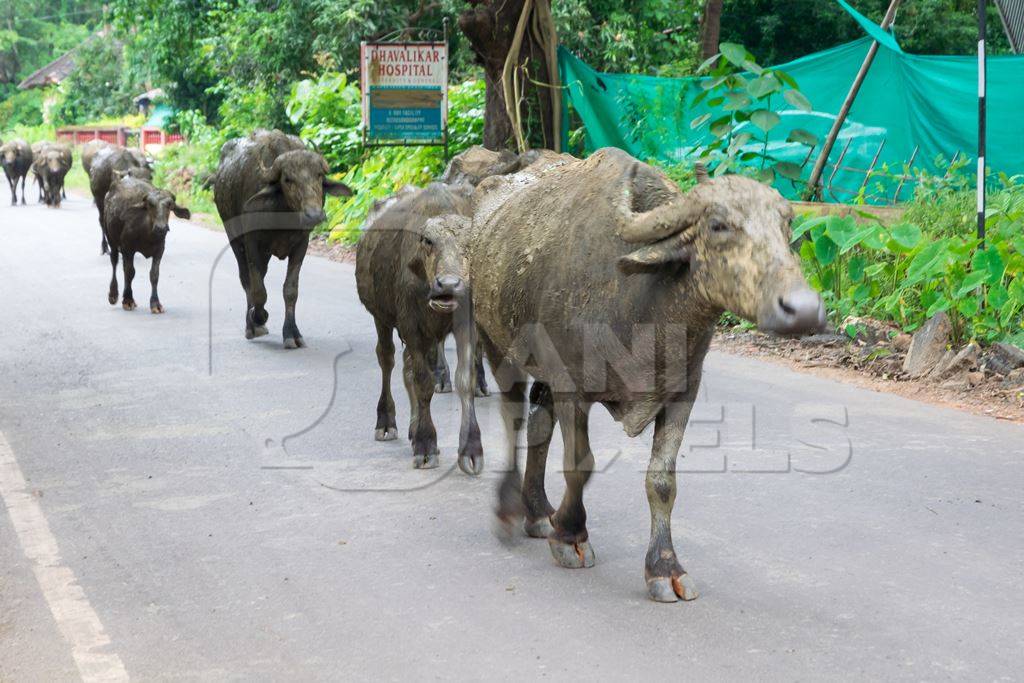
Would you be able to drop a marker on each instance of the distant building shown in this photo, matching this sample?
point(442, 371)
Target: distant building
point(51, 74)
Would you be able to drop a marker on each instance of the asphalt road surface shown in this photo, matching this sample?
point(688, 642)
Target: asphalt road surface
point(180, 503)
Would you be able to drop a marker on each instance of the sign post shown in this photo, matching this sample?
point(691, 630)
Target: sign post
point(405, 93)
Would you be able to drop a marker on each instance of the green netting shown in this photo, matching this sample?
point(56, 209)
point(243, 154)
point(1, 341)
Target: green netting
point(912, 111)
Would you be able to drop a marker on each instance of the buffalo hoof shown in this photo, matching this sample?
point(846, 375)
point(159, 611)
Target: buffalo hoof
point(428, 461)
point(664, 589)
point(294, 342)
point(156, 308)
point(482, 392)
point(112, 298)
point(258, 331)
point(443, 387)
point(577, 555)
point(538, 528)
point(389, 434)
point(472, 464)
point(128, 305)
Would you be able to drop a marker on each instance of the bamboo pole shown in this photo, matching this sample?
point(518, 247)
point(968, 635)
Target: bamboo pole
point(812, 190)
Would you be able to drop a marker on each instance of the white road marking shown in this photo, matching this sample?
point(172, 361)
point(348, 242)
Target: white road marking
point(75, 617)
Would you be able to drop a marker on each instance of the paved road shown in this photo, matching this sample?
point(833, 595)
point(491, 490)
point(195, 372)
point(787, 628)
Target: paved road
point(183, 504)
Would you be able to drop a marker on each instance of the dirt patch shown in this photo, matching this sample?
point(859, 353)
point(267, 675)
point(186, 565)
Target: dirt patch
point(878, 365)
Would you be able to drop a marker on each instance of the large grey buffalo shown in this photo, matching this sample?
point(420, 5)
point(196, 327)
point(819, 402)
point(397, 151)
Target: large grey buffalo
point(106, 164)
point(604, 282)
point(16, 158)
point(270, 191)
point(50, 165)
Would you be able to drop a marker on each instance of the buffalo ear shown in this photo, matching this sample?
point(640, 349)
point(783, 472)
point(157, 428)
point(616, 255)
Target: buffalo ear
point(336, 189)
point(266, 200)
point(182, 212)
point(653, 257)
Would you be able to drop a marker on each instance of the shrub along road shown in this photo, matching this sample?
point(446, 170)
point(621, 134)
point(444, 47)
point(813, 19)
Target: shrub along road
point(168, 521)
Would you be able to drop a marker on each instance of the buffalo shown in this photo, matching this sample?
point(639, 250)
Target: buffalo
point(90, 150)
point(604, 282)
point(410, 276)
point(50, 165)
point(137, 221)
point(105, 164)
point(16, 158)
point(270, 191)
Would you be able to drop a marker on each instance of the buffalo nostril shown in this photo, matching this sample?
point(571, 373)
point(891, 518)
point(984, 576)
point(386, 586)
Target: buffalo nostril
point(786, 308)
point(448, 282)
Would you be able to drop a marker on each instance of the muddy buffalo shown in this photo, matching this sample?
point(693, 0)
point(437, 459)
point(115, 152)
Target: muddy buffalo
point(411, 276)
point(50, 165)
point(16, 158)
point(137, 221)
point(270, 191)
point(90, 150)
point(604, 283)
point(105, 164)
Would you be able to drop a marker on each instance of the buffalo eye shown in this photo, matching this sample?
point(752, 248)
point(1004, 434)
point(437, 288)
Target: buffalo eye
point(718, 226)
point(427, 242)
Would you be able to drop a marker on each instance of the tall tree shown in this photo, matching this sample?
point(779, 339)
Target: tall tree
point(710, 28)
point(514, 41)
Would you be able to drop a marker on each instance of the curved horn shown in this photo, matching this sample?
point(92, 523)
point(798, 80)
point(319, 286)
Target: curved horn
point(660, 222)
point(700, 171)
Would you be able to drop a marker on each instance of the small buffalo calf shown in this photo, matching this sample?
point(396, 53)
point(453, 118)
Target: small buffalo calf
point(136, 220)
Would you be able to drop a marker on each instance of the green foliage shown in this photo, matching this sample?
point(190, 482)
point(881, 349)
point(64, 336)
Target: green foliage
point(99, 86)
point(782, 30)
point(327, 113)
point(740, 97)
point(633, 36)
point(908, 272)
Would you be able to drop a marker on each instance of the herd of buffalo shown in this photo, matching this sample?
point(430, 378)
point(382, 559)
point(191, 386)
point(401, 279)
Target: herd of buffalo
point(597, 278)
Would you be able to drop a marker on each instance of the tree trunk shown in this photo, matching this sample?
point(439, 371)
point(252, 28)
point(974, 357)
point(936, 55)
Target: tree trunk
point(710, 27)
point(490, 26)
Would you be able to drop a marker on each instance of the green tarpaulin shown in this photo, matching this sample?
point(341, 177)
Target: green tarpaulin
point(910, 107)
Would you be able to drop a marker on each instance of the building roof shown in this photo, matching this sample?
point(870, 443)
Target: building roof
point(51, 74)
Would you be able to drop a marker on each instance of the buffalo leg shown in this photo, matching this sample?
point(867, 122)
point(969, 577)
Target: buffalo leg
point(112, 292)
point(238, 249)
point(512, 385)
point(290, 331)
point(13, 185)
point(154, 277)
point(387, 427)
point(442, 375)
point(481, 377)
point(568, 540)
point(257, 263)
point(424, 437)
point(23, 179)
point(666, 578)
point(103, 229)
point(128, 262)
point(471, 451)
point(540, 425)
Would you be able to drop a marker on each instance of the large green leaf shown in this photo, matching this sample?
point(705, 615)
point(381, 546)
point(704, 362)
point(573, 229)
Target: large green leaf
point(797, 99)
point(991, 262)
point(928, 263)
point(763, 85)
point(764, 119)
point(972, 282)
point(906, 235)
point(804, 137)
point(825, 250)
point(788, 169)
point(737, 54)
point(699, 121)
point(737, 100)
point(855, 268)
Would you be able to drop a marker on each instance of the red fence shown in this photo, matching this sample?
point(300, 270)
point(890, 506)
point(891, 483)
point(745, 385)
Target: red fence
point(126, 137)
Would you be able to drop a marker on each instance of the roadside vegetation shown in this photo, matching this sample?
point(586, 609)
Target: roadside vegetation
point(229, 66)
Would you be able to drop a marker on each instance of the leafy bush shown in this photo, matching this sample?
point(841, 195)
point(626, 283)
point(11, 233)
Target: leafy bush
point(327, 114)
point(909, 271)
point(738, 92)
